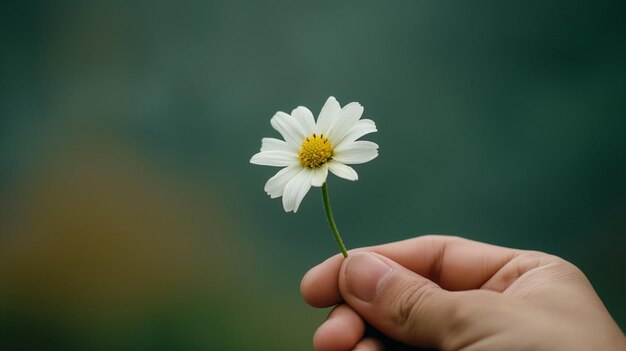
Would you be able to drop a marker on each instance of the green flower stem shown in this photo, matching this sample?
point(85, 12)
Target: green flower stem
point(331, 220)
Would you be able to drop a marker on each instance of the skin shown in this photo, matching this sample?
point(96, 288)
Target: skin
point(451, 293)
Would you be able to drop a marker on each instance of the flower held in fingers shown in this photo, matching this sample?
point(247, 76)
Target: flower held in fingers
point(312, 148)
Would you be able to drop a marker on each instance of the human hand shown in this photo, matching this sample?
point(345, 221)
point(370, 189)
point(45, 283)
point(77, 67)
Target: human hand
point(453, 294)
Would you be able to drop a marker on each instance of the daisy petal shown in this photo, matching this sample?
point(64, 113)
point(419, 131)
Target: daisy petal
point(327, 116)
point(319, 175)
point(273, 144)
point(275, 186)
point(289, 128)
point(360, 128)
point(357, 152)
point(348, 117)
point(342, 171)
point(274, 158)
point(304, 116)
point(296, 189)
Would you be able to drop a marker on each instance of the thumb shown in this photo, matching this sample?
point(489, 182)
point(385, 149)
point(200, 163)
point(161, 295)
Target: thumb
point(398, 302)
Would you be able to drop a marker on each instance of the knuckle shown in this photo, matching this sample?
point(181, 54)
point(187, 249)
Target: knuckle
point(557, 265)
point(449, 238)
point(408, 306)
point(567, 270)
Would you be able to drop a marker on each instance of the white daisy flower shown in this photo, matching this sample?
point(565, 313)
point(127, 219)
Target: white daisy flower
point(311, 149)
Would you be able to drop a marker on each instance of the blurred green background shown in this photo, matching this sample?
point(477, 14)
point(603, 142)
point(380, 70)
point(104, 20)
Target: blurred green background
point(130, 217)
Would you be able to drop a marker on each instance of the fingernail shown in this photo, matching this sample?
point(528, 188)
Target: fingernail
point(363, 273)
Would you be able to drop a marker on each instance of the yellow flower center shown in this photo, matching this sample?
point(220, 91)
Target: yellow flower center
point(315, 151)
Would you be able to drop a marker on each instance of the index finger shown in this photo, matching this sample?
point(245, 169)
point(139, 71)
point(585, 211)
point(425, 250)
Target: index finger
point(452, 262)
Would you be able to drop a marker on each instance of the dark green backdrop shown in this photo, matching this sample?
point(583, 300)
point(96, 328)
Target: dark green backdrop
point(130, 217)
